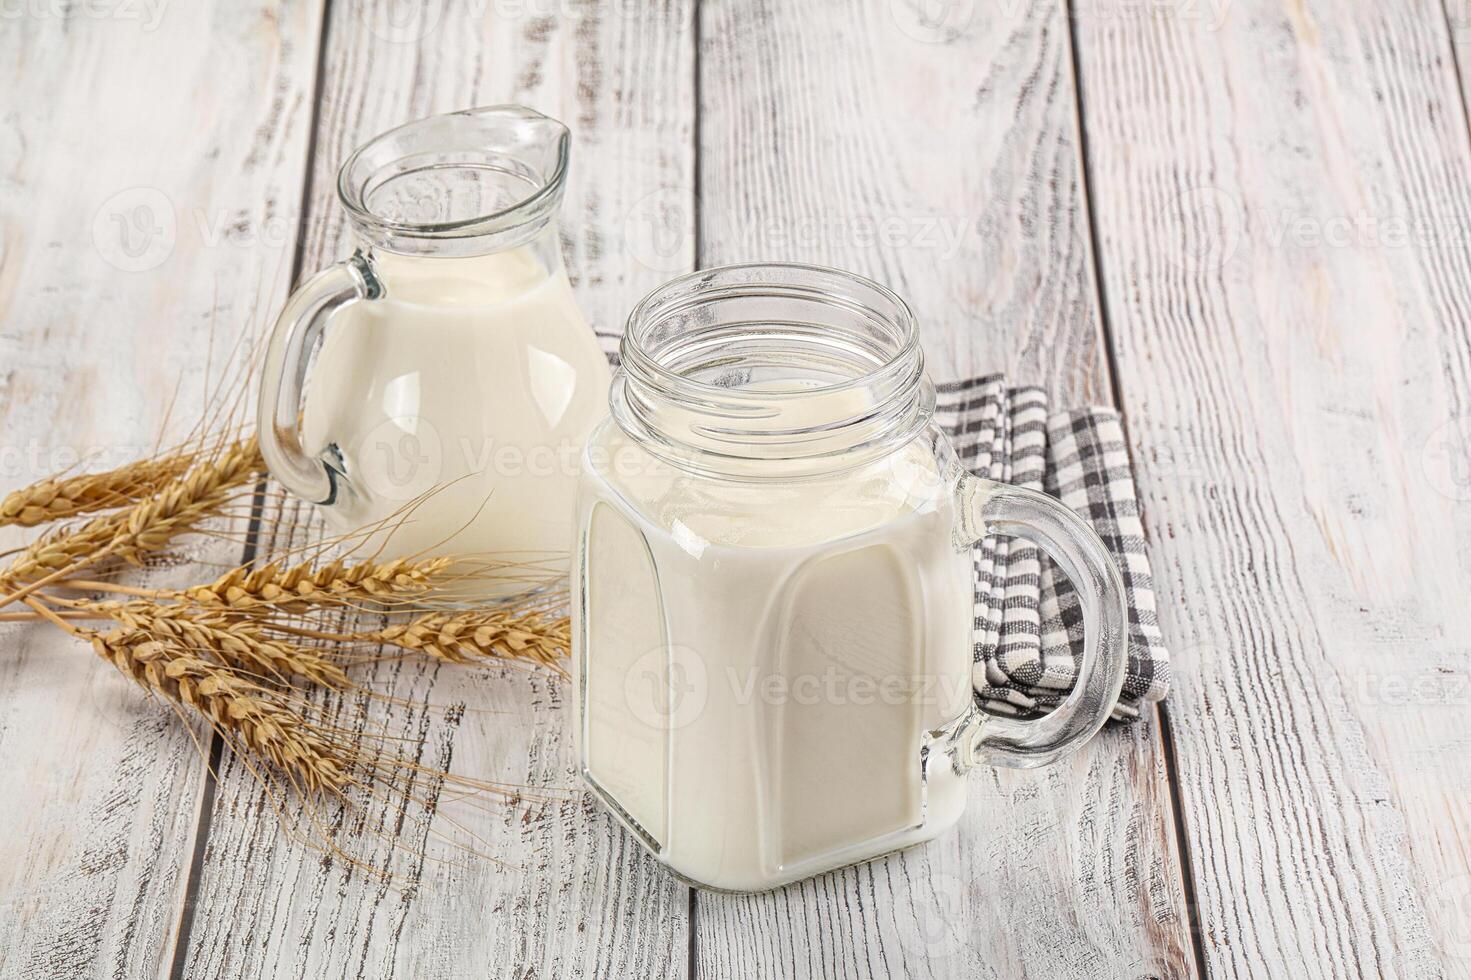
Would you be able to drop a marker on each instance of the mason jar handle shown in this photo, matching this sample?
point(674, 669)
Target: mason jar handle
point(994, 508)
point(278, 413)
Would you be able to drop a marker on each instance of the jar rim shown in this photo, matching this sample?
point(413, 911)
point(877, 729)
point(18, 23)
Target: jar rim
point(643, 317)
point(787, 363)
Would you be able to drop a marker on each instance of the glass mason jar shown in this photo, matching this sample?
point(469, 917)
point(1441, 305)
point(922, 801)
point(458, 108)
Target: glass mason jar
point(457, 381)
point(773, 585)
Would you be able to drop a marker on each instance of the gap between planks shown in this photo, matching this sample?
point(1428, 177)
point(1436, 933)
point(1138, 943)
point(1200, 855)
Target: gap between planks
point(1163, 725)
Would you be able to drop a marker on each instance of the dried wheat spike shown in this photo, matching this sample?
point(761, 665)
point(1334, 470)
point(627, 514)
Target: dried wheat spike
point(304, 586)
point(146, 526)
point(226, 638)
point(467, 637)
point(250, 714)
point(62, 497)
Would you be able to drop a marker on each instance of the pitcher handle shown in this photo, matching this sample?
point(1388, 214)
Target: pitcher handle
point(278, 413)
point(994, 508)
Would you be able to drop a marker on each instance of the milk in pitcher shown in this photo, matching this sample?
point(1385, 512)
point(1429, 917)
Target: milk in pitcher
point(461, 400)
point(456, 380)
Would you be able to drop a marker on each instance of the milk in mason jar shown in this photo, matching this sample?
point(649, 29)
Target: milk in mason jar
point(752, 645)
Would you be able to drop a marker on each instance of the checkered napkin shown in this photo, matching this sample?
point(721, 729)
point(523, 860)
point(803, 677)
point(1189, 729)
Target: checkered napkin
point(1029, 627)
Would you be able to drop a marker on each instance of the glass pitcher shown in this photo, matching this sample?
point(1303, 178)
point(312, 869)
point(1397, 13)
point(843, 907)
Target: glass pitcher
point(773, 585)
point(457, 380)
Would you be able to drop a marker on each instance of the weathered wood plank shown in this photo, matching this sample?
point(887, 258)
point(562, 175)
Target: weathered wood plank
point(930, 147)
point(576, 896)
point(147, 154)
point(941, 159)
point(1282, 193)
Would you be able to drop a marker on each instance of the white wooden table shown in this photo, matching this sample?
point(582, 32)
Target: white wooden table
point(1245, 222)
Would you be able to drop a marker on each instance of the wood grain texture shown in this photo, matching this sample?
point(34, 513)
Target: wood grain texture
point(1282, 193)
point(939, 156)
point(138, 226)
point(562, 892)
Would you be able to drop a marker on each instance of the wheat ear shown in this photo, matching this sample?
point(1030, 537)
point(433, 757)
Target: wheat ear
point(301, 587)
point(226, 638)
point(58, 498)
point(136, 531)
point(242, 711)
point(471, 636)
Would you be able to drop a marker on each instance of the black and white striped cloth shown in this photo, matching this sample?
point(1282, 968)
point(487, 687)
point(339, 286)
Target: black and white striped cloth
point(1028, 623)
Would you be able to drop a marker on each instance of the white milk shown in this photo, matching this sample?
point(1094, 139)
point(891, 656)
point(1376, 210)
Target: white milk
point(477, 376)
point(764, 661)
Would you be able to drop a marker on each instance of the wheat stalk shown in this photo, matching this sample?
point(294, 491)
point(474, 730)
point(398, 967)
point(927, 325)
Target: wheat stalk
point(229, 650)
point(238, 616)
point(136, 531)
